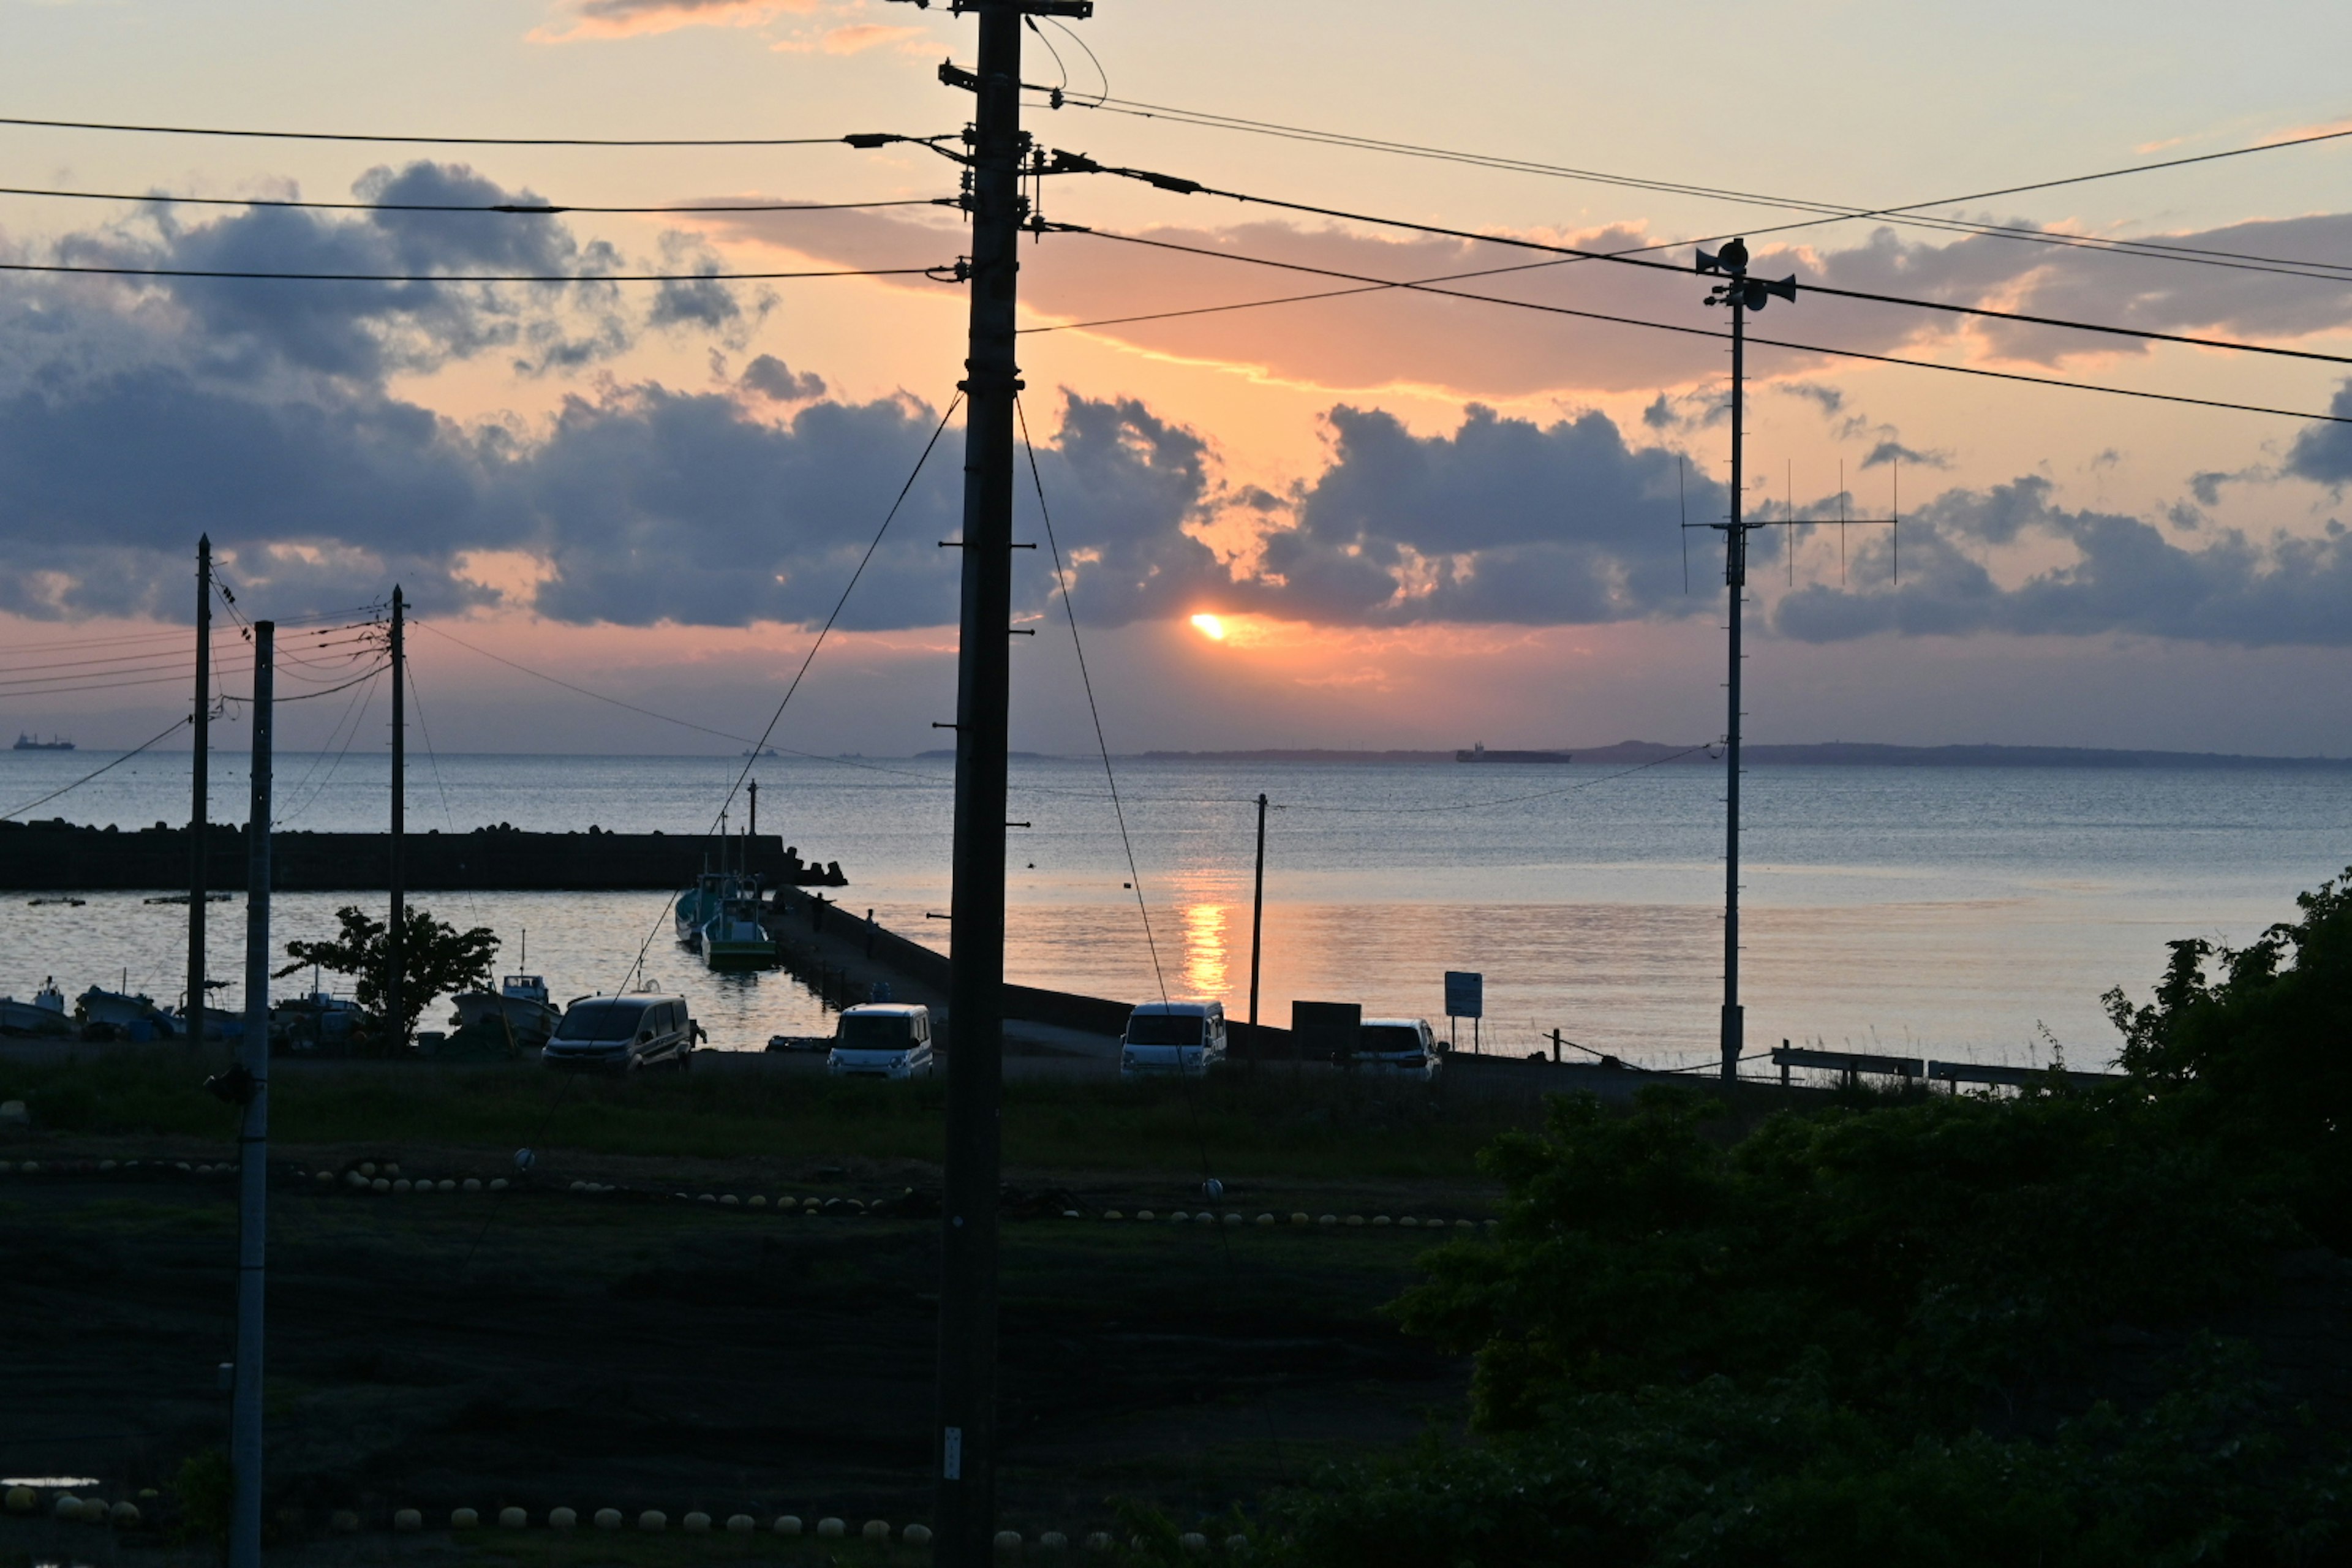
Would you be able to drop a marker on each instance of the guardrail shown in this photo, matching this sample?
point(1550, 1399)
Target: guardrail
point(1854, 1064)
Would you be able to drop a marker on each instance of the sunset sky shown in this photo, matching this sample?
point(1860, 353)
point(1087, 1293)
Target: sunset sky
point(1422, 522)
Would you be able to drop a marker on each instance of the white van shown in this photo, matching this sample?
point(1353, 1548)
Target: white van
point(1165, 1040)
point(883, 1040)
point(1404, 1046)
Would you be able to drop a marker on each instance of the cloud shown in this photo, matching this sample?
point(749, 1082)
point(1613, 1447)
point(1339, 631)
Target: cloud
point(1891, 451)
point(578, 19)
point(852, 38)
point(2323, 452)
point(773, 379)
point(1362, 339)
point(2124, 577)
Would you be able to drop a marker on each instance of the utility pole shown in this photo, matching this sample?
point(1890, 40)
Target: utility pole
point(394, 955)
point(755, 808)
point(200, 792)
point(997, 151)
point(1742, 294)
point(248, 1085)
point(1257, 911)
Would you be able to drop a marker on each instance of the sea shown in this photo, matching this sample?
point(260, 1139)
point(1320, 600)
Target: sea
point(1971, 913)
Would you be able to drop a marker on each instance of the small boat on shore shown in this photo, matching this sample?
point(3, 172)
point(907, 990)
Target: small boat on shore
point(519, 1007)
point(135, 1016)
point(43, 1015)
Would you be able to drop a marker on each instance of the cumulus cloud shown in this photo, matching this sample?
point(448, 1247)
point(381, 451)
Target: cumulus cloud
point(2323, 452)
point(772, 379)
point(2125, 576)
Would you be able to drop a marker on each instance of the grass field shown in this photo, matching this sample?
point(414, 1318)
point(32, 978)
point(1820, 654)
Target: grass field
point(1277, 1126)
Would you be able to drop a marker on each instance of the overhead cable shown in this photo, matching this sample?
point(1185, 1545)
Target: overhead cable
point(1705, 332)
point(1074, 164)
point(863, 140)
point(942, 273)
point(529, 209)
point(1911, 213)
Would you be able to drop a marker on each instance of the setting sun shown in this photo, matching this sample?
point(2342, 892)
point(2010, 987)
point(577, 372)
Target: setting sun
point(1211, 626)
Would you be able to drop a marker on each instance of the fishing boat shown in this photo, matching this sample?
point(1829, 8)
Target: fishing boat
point(520, 1006)
point(700, 905)
point(734, 937)
point(43, 1015)
point(319, 1022)
point(134, 1015)
point(35, 743)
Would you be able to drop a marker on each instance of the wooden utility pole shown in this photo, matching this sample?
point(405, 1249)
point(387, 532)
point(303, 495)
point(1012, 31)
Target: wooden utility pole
point(394, 955)
point(966, 1439)
point(249, 1086)
point(199, 792)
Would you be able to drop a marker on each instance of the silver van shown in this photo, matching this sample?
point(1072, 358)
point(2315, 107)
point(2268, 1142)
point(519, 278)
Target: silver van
point(1170, 1039)
point(631, 1032)
point(883, 1040)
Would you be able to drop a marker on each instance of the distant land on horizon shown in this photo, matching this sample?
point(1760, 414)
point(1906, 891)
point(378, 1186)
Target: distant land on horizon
point(1826, 753)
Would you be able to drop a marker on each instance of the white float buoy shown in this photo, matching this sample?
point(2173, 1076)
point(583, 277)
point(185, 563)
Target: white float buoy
point(1380, 1219)
point(730, 1201)
point(380, 1184)
point(446, 1185)
point(1053, 1541)
point(877, 1530)
point(499, 1184)
point(1100, 1540)
point(577, 1187)
point(1072, 1214)
point(1355, 1219)
point(697, 1523)
point(1265, 1219)
point(608, 1518)
point(1178, 1217)
point(367, 1167)
point(741, 1524)
point(1298, 1219)
point(830, 1529)
point(512, 1518)
point(1408, 1222)
point(1328, 1219)
point(463, 1519)
point(757, 1201)
point(404, 1185)
point(408, 1518)
point(124, 1513)
point(1237, 1544)
point(326, 1178)
point(1233, 1219)
point(106, 1164)
point(1193, 1542)
point(916, 1535)
point(392, 1168)
point(30, 1167)
point(1113, 1213)
point(67, 1506)
point(472, 1184)
point(653, 1520)
point(788, 1524)
point(1008, 1541)
point(1464, 1225)
point(1143, 1213)
point(707, 1198)
point(355, 1180)
point(561, 1519)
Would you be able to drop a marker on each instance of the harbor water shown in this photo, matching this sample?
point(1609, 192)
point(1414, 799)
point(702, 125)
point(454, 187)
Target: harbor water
point(1973, 913)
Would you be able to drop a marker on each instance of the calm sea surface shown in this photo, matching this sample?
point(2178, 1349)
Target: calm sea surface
point(1960, 912)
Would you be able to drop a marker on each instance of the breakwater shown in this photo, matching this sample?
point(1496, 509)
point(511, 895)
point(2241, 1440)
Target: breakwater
point(63, 856)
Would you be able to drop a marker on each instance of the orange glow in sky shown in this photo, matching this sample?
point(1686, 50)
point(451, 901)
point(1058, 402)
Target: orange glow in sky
point(1211, 626)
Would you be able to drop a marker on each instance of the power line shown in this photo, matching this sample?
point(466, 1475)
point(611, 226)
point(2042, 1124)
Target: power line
point(1908, 213)
point(163, 198)
point(1705, 332)
point(937, 273)
point(1072, 164)
point(863, 140)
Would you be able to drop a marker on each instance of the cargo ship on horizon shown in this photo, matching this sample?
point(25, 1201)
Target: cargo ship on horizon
point(1479, 753)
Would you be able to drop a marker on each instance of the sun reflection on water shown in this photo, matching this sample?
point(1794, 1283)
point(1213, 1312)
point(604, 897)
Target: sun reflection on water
point(1204, 950)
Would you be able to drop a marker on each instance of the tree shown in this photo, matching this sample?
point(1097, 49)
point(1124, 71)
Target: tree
point(437, 958)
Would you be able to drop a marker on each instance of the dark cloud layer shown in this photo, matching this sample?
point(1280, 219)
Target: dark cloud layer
point(134, 415)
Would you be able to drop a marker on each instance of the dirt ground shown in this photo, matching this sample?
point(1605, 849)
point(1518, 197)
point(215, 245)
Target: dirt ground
point(541, 1347)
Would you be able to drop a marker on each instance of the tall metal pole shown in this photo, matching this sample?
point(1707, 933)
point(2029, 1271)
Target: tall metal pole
point(1735, 575)
point(394, 957)
point(968, 1294)
point(1257, 910)
point(253, 1133)
point(199, 791)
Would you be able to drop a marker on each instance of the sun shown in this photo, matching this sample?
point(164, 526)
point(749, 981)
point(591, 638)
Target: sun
point(1211, 626)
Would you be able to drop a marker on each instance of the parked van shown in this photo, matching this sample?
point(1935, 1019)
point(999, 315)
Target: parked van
point(627, 1032)
point(883, 1040)
point(1166, 1039)
point(1404, 1047)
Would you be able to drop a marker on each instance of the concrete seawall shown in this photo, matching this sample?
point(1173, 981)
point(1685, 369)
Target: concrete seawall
point(61, 856)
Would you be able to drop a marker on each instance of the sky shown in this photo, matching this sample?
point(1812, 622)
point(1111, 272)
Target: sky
point(1418, 521)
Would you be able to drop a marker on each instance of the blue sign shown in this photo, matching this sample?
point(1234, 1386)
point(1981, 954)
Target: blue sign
point(1465, 994)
